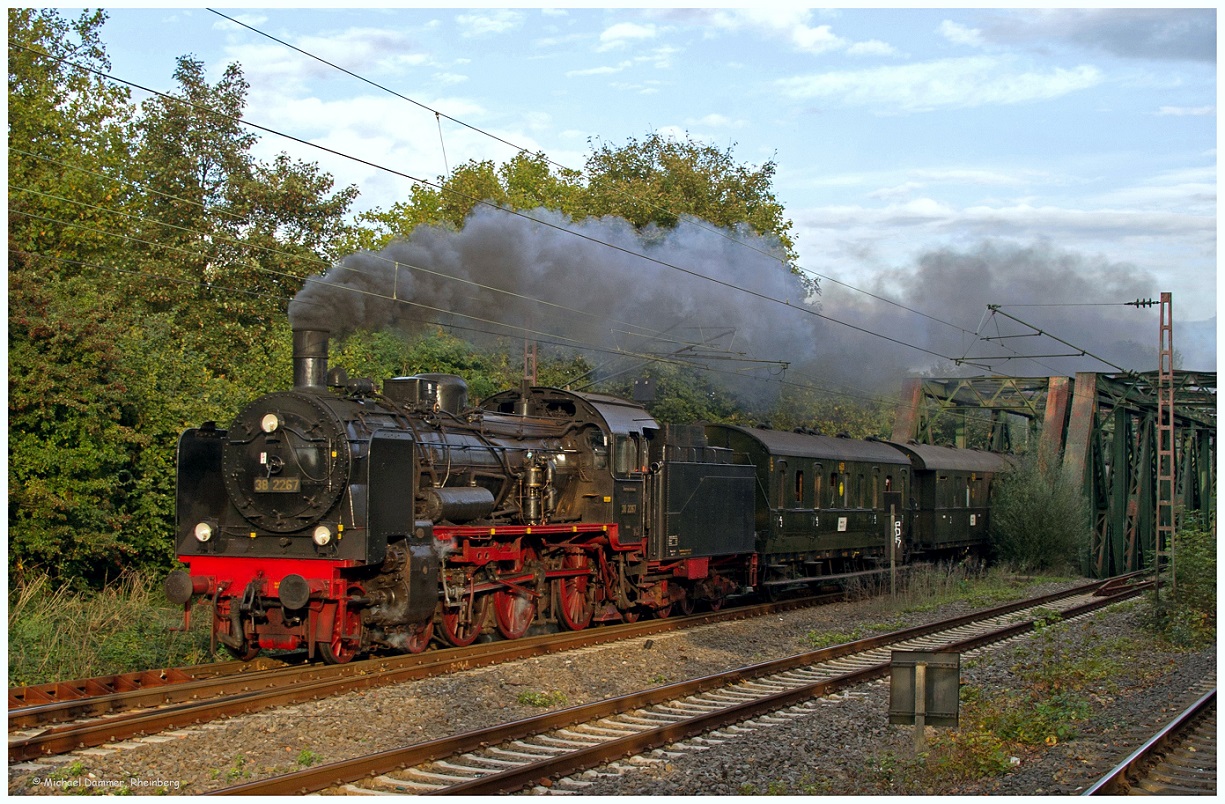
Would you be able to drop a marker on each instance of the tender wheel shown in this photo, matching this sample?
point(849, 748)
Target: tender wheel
point(459, 626)
point(686, 604)
point(575, 608)
point(514, 610)
point(664, 612)
point(346, 638)
point(716, 603)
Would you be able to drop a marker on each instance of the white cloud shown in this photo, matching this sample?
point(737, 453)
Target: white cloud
point(979, 176)
point(489, 23)
point(374, 51)
point(1186, 111)
point(897, 191)
point(624, 33)
point(959, 34)
point(605, 70)
point(873, 47)
point(254, 20)
point(944, 83)
point(641, 88)
point(1192, 190)
point(792, 25)
point(717, 121)
point(817, 40)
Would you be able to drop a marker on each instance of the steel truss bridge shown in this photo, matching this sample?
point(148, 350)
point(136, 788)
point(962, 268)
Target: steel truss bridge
point(1098, 430)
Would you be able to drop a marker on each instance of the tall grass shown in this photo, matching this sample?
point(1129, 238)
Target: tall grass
point(925, 586)
point(60, 634)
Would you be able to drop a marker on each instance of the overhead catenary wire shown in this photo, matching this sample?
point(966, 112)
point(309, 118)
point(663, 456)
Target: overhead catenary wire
point(516, 328)
point(641, 331)
point(616, 353)
point(862, 396)
point(803, 309)
point(521, 149)
point(995, 309)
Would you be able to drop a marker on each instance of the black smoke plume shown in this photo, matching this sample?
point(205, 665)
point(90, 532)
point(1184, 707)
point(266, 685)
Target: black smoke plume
point(694, 293)
point(703, 294)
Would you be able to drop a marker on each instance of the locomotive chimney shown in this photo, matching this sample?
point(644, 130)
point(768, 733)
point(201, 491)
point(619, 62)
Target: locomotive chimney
point(310, 359)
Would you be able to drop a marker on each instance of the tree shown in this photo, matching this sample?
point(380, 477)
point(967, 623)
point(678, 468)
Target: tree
point(67, 139)
point(71, 434)
point(657, 180)
point(147, 285)
point(233, 239)
point(70, 421)
point(527, 181)
point(652, 184)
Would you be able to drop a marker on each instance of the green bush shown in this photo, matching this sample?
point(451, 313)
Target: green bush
point(1037, 521)
point(1195, 572)
point(1184, 614)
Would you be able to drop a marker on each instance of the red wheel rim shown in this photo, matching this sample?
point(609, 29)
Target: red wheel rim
point(513, 609)
point(419, 638)
point(346, 638)
point(461, 625)
point(685, 604)
point(514, 612)
point(716, 603)
point(664, 612)
point(631, 615)
point(575, 608)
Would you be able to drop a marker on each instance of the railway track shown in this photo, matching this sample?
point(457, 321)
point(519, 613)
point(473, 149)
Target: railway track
point(66, 693)
point(557, 745)
point(90, 713)
point(1179, 760)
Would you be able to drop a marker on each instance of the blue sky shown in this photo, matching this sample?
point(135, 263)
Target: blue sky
point(1082, 138)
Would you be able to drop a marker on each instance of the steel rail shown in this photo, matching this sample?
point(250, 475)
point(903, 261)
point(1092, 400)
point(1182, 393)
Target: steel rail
point(76, 690)
point(346, 771)
point(515, 779)
point(1115, 782)
point(181, 705)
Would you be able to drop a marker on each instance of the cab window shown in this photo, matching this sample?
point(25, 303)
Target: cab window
point(599, 449)
point(627, 458)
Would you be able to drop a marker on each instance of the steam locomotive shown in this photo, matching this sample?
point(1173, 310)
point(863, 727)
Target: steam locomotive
point(343, 519)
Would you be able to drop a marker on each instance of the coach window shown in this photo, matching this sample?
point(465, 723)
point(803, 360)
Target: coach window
point(799, 488)
point(816, 487)
point(875, 488)
point(782, 484)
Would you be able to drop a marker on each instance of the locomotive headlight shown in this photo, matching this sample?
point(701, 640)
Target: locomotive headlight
point(270, 422)
point(203, 531)
point(322, 535)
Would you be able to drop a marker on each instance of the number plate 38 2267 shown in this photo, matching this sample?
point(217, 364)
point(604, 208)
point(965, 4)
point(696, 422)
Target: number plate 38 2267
point(286, 485)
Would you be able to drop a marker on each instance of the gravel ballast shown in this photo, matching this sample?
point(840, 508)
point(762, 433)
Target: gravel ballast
point(841, 745)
